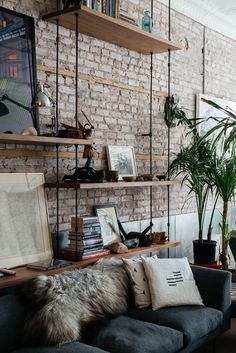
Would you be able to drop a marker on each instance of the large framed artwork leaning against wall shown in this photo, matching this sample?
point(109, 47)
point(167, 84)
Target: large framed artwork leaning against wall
point(24, 228)
point(17, 72)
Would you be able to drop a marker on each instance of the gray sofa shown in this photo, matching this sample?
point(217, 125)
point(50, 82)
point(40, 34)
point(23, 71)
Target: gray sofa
point(167, 330)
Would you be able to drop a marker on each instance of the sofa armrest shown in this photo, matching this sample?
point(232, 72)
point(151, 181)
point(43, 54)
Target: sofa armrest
point(215, 288)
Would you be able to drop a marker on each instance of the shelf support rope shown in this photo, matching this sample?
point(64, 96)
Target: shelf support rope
point(150, 134)
point(168, 128)
point(56, 128)
point(76, 122)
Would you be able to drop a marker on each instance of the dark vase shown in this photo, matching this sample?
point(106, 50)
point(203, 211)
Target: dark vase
point(204, 252)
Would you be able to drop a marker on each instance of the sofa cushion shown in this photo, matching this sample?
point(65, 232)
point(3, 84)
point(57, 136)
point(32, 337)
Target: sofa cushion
point(125, 335)
point(12, 317)
point(74, 347)
point(171, 282)
point(139, 282)
point(193, 321)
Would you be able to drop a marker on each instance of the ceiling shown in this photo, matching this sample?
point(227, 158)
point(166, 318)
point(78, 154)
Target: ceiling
point(220, 15)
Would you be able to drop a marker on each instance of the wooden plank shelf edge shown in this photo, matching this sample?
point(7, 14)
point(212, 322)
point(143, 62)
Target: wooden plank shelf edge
point(108, 185)
point(112, 30)
point(41, 140)
point(24, 274)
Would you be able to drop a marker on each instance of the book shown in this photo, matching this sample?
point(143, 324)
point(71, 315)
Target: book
point(86, 242)
point(104, 252)
point(83, 237)
point(99, 5)
point(85, 220)
point(87, 228)
point(48, 264)
point(86, 250)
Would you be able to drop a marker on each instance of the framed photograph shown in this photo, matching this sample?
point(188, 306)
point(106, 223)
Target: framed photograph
point(24, 228)
point(109, 225)
point(17, 72)
point(122, 159)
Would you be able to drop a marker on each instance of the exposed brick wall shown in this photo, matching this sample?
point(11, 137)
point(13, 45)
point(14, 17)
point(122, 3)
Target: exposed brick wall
point(120, 116)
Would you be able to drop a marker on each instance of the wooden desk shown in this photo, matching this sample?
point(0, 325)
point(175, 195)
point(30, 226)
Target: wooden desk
point(24, 274)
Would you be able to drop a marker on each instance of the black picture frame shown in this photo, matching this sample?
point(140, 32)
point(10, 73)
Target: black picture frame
point(110, 230)
point(18, 75)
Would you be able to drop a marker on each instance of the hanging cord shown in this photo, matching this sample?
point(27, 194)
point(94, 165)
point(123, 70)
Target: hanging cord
point(76, 122)
point(56, 129)
point(168, 130)
point(203, 59)
point(150, 135)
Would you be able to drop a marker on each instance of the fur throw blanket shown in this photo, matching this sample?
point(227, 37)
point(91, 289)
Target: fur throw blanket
point(60, 305)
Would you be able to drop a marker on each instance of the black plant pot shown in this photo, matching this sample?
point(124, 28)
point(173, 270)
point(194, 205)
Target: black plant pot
point(205, 252)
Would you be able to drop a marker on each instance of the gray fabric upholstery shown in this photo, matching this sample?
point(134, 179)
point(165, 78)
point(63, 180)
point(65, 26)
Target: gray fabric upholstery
point(194, 321)
point(12, 317)
point(215, 288)
point(126, 335)
point(74, 347)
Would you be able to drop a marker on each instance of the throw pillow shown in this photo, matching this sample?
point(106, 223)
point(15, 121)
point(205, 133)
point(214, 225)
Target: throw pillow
point(139, 282)
point(171, 282)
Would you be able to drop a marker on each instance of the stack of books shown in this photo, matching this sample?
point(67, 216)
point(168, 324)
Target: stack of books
point(88, 238)
point(108, 7)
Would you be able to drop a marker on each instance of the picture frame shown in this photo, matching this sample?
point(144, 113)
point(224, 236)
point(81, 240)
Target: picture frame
point(122, 159)
point(24, 227)
point(18, 76)
point(205, 111)
point(109, 225)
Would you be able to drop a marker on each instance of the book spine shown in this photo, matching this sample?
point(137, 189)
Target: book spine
point(92, 256)
point(103, 6)
point(99, 5)
point(81, 220)
point(112, 8)
point(107, 7)
point(94, 7)
point(84, 237)
point(117, 8)
point(87, 242)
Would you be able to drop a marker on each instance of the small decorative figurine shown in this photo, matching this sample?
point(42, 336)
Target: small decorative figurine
point(147, 21)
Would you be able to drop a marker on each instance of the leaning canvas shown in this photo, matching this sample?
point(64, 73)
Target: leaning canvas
point(24, 228)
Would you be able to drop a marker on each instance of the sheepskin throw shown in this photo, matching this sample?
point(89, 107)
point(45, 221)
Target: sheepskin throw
point(62, 304)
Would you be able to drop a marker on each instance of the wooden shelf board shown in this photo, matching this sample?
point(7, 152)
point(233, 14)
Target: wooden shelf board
point(24, 274)
point(112, 30)
point(109, 185)
point(41, 140)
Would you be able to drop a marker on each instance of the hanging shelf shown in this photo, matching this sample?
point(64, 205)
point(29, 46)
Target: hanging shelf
point(112, 30)
point(41, 140)
point(111, 185)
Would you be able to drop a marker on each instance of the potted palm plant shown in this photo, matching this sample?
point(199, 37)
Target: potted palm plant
point(222, 169)
point(193, 163)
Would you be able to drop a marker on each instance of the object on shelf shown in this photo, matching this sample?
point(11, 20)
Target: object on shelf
point(147, 177)
point(129, 178)
point(49, 264)
point(29, 131)
point(71, 3)
point(159, 237)
point(144, 238)
point(161, 177)
point(43, 99)
point(132, 243)
point(86, 173)
point(112, 175)
point(147, 21)
point(118, 248)
point(7, 272)
point(71, 131)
